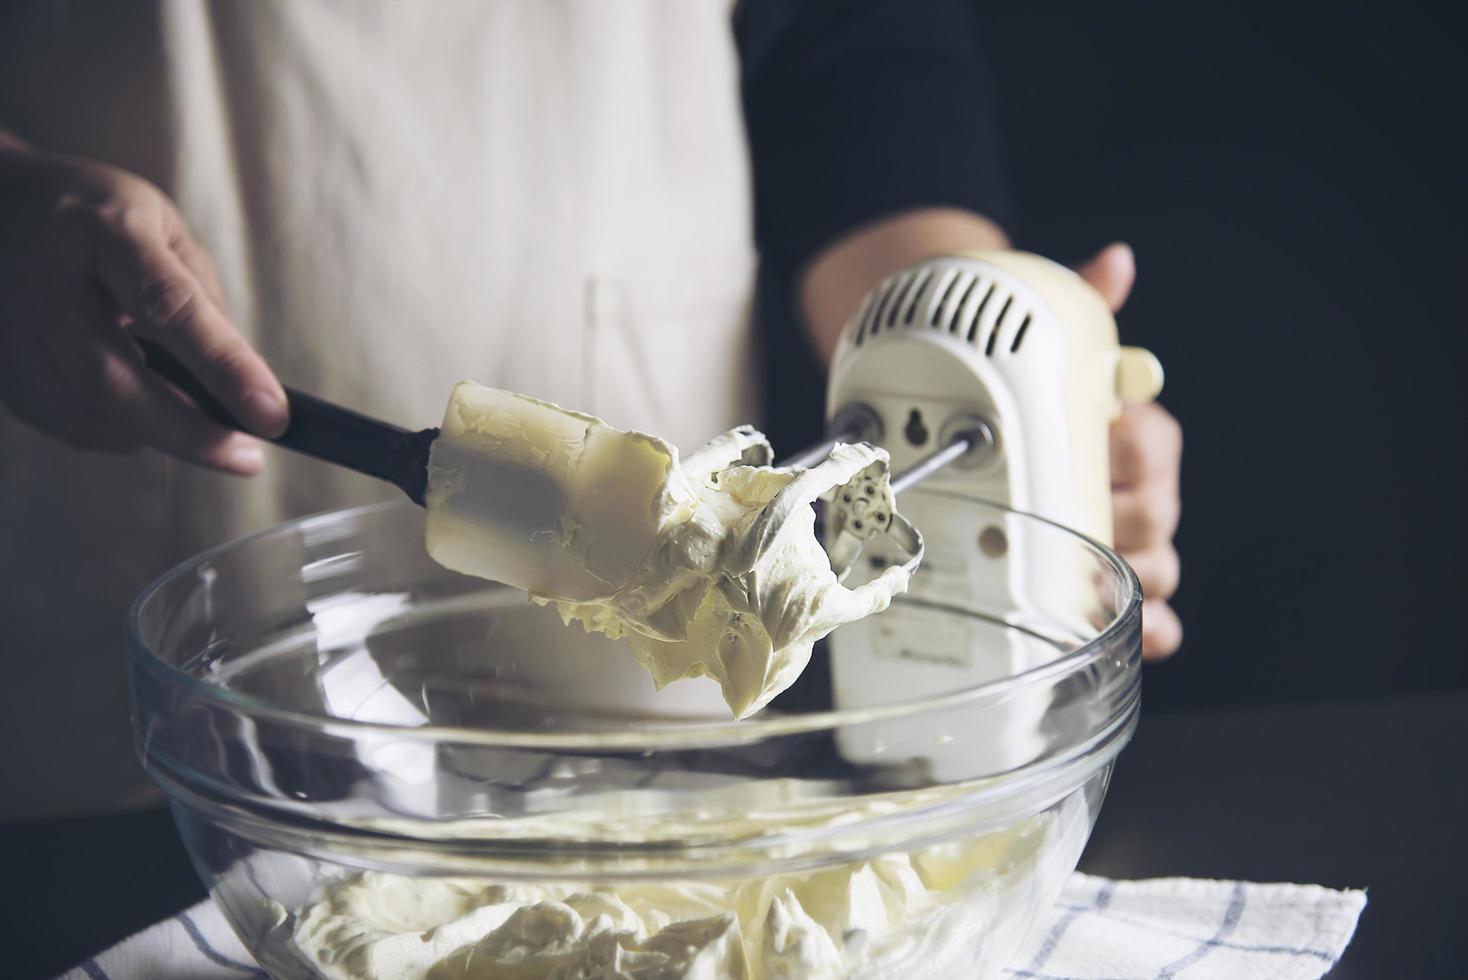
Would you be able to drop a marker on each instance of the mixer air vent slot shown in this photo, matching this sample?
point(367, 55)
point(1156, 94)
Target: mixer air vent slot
point(1019, 335)
point(919, 288)
point(950, 299)
point(963, 299)
point(944, 288)
point(895, 307)
point(973, 318)
point(864, 318)
point(994, 331)
point(880, 311)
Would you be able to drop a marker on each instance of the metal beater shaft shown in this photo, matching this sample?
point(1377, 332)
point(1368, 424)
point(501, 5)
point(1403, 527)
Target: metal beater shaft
point(854, 423)
point(932, 463)
point(857, 422)
point(819, 451)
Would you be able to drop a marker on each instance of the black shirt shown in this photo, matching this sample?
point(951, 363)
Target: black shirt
point(860, 108)
point(855, 109)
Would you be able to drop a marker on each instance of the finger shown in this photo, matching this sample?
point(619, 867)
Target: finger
point(1146, 445)
point(34, 390)
point(105, 374)
point(1112, 271)
point(168, 305)
point(164, 410)
point(1162, 631)
point(1158, 569)
point(198, 261)
point(1144, 517)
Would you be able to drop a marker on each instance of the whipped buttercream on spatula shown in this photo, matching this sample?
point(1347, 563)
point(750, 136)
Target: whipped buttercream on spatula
point(708, 566)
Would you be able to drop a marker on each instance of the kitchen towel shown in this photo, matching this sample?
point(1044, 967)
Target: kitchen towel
point(1117, 930)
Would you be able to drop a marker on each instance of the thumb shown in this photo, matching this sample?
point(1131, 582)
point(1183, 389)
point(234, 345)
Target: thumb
point(1111, 272)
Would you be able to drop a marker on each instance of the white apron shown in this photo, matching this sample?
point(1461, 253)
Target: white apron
point(543, 195)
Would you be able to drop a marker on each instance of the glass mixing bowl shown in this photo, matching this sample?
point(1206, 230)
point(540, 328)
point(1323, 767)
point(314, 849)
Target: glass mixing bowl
point(385, 769)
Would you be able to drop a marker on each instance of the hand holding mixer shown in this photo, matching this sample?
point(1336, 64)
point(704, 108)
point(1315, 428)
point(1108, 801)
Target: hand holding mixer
point(990, 376)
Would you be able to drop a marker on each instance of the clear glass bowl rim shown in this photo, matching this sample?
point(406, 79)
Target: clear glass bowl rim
point(652, 736)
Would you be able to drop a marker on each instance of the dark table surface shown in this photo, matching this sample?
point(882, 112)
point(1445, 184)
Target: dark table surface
point(1369, 794)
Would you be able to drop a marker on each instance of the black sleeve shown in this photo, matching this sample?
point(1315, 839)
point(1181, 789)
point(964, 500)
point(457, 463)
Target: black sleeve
point(860, 108)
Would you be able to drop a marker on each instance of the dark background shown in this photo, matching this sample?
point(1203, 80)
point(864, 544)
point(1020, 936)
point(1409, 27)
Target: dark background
point(1291, 177)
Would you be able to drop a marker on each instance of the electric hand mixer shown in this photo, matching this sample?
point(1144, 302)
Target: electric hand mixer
point(987, 376)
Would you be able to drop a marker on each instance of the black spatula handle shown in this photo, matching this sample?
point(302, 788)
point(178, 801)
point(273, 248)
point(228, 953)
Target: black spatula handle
point(323, 430)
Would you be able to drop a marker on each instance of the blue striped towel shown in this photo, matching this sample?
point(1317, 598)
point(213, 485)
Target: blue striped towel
point(1098, 930)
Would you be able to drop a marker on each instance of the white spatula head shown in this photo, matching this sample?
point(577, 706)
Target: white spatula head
point(544, 499)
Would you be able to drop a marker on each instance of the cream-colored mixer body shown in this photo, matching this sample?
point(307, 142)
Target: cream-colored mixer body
point(1014, 339)
point(1030, 349)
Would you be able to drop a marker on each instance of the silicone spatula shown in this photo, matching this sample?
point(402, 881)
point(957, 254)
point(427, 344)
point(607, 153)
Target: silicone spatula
point(321, 429)
point(526, 493)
